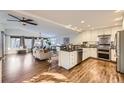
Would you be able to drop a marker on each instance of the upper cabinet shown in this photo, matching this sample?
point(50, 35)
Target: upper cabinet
point(92, 35)
point(114, 31)
point(86, 35)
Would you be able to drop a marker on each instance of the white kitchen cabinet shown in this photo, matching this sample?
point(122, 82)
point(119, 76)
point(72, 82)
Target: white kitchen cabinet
point(94, 35)
point(67, 59)
point(113, 55)
point(89, 52)
point(85, 53)
point(93, 52)
point(73, 59)
point(113, 35)
point(86, 36)
point(63, 59)
point(108, 32)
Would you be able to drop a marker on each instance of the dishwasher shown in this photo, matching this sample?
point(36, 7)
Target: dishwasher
point(79, 55)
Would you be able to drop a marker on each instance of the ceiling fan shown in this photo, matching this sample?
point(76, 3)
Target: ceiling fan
point(23, 20)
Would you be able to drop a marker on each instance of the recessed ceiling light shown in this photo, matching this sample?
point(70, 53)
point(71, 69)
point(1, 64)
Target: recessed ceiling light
point(82, 21)
point(89, 25)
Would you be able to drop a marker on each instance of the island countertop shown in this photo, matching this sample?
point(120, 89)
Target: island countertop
point(71, 50)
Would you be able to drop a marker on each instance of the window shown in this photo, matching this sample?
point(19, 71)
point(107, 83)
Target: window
point(53, 41)
point(28, 43)
point(38, 42)
point(15, 42)
point(66, 40)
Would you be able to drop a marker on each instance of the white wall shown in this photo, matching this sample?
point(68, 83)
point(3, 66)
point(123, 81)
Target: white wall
point(92, 35)
point(19, 32)
point(59, 39)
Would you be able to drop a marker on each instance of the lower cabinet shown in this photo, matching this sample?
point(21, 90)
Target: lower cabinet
point(63, 59)
point(73, 59)
point(113, 55)
point(93, 52)
point(85, 53)
point(89, 52)
point(67, 59)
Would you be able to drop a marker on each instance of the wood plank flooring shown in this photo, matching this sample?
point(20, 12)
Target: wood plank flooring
point(96, 71)
point(18, 68)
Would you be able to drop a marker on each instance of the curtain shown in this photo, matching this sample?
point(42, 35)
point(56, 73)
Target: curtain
point(33, 39)
point(2, 41)
point(22, 42)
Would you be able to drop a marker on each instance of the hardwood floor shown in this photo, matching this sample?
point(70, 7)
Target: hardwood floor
point(17, 68)
point(96, 71)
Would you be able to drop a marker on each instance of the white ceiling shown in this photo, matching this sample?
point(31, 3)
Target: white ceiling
point(52, 22)
point(96, 18)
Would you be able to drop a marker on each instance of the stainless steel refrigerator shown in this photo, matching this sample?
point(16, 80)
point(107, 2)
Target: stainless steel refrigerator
point(120, 51)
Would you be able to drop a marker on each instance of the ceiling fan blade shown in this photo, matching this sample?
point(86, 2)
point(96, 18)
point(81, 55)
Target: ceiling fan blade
point(13, 20)
point(29, 20)
point(14, 16)
point(31, 23)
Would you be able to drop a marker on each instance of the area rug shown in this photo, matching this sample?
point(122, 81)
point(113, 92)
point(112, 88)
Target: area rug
point(48, 77)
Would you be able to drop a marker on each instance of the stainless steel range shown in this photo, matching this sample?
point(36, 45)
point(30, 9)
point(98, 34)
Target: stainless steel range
point(104, 47)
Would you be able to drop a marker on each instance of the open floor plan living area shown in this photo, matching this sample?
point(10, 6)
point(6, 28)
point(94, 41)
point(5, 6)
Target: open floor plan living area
point(61, 46)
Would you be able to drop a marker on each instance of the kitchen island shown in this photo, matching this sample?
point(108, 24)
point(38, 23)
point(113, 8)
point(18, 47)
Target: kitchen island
point(69, 58)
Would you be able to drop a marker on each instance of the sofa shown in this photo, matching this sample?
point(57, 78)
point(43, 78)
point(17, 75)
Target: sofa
point(41, 54)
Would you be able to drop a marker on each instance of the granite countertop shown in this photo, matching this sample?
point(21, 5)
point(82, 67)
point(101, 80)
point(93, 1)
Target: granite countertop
point(89, 47)
point(96, 47)
point(71, 50)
